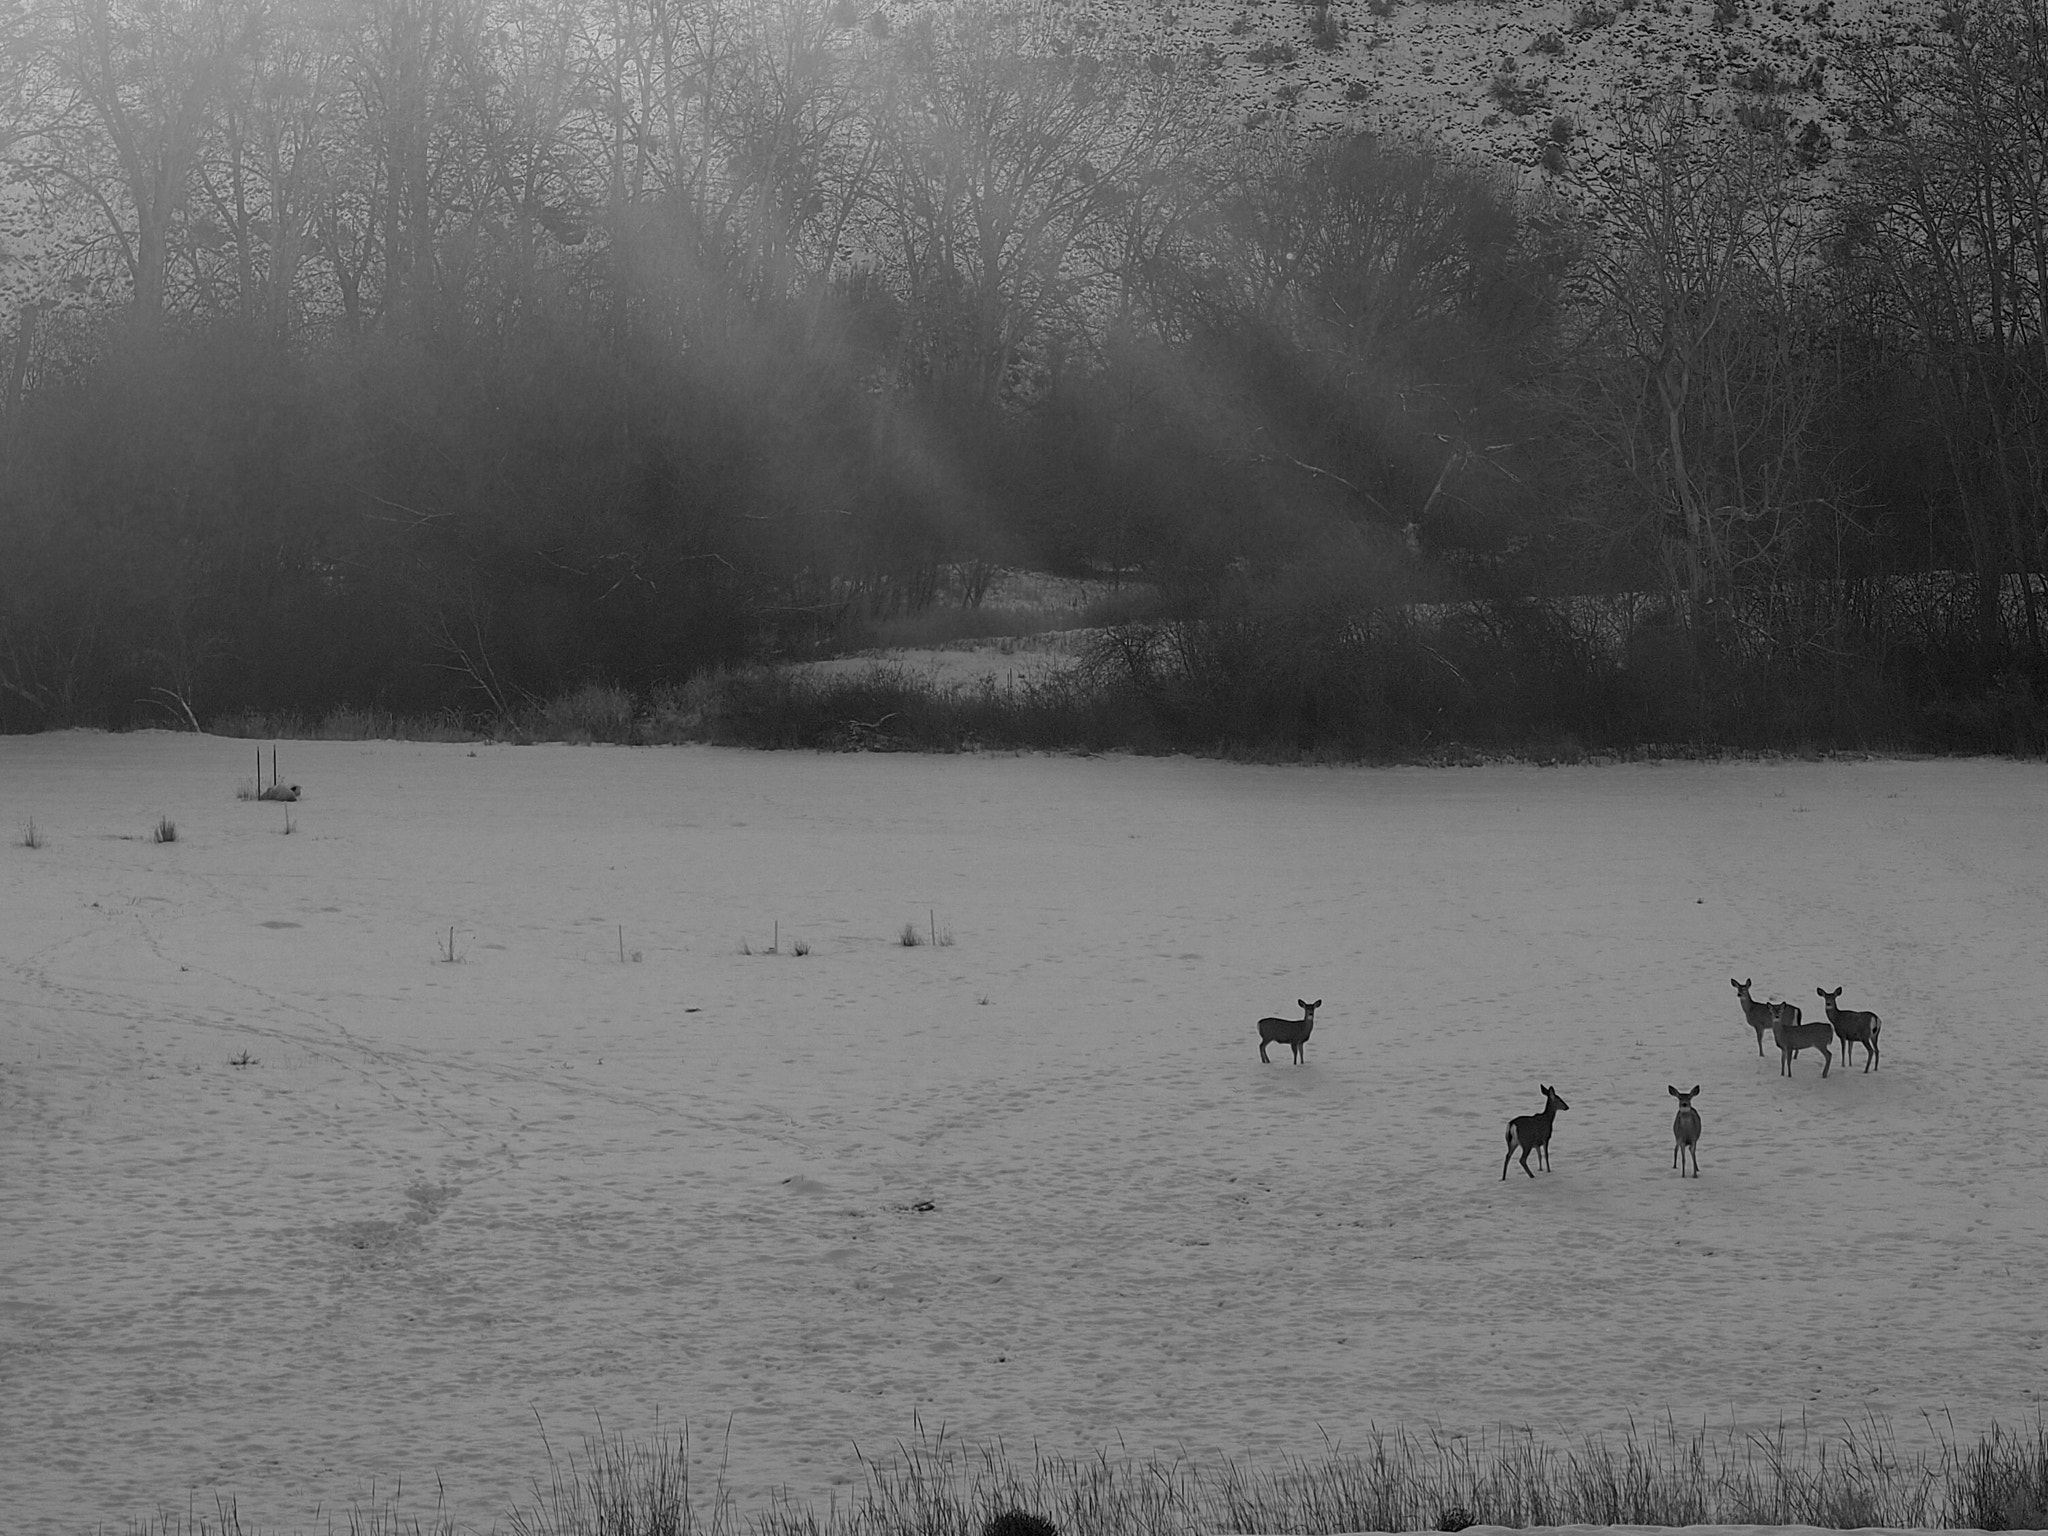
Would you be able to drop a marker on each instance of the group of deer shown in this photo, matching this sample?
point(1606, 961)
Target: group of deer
point(1531, 1133)
point(1526, 1133)
point(1851, 1026)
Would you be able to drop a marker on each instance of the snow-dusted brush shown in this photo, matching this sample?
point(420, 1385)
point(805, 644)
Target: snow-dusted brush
point(1531, 1133)
point(1685, 1130)
point(1757, 1015)
point(1794, 1037)
point(1853, 1027)
point(276, 791)
point(1289, 1032)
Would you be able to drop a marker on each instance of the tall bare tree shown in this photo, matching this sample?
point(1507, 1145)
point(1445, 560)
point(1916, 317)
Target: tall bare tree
point(1948, 205)
point(1694, 360)
point(1008, 149)
point(268, 170)
point(143, 83)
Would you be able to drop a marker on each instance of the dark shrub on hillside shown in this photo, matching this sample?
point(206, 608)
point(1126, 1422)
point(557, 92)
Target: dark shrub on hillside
point(1019, 1522)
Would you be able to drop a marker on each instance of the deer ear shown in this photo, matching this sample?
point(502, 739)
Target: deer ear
point(1671, 1090)
point(1317, 1003)
point(1695, 1091)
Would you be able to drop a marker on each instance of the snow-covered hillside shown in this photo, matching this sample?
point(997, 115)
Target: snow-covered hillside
point(1535, 86)
point(1487, 81)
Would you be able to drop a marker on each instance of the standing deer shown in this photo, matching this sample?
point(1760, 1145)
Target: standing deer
point(1757, 1015)
point(1531, 1133)
point(1685, 1130)
point(1290, 1032)
point(1853, 1027)
point(1794, 1037)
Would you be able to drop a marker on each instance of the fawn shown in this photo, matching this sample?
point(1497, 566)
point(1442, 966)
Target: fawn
point(1290, 1032)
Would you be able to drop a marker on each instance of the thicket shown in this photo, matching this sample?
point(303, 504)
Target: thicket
point(451, 359)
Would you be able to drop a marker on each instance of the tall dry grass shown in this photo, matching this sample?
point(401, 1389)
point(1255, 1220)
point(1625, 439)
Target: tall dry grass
point(1402, 1480)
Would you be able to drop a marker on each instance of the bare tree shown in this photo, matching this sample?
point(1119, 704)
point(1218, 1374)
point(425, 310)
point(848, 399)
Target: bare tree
point(268, 171)
point(140, 84)
point(381, 235)
point(1008, 153)
point(1948, 205)
point(1695, 376)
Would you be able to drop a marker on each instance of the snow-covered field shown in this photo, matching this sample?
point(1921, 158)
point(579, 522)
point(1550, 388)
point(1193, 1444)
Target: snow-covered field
point(1033, 1182)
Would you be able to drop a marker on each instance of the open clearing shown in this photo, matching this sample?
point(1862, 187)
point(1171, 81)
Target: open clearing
point(1032, 1183)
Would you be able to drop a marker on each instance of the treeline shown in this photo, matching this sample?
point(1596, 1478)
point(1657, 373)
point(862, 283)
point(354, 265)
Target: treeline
point(449, 356)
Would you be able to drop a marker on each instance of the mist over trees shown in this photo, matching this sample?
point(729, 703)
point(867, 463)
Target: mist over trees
point(446, 355)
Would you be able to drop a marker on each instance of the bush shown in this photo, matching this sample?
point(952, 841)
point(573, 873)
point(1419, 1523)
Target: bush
point(1019, 1522)
point(594, 712)
point(1514, 95)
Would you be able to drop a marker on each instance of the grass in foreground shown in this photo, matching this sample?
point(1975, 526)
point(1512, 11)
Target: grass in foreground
point(1407, 1480)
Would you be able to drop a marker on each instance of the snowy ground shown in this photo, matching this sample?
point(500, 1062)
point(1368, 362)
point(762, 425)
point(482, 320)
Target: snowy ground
point(446, 1197)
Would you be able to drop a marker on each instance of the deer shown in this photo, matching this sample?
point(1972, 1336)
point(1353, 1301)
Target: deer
point(1531, 1133)
point(1289, 1032)
point(1794, 1037)
point(1757, 1015)
point(1853, 1027)
point(1685, 1130)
